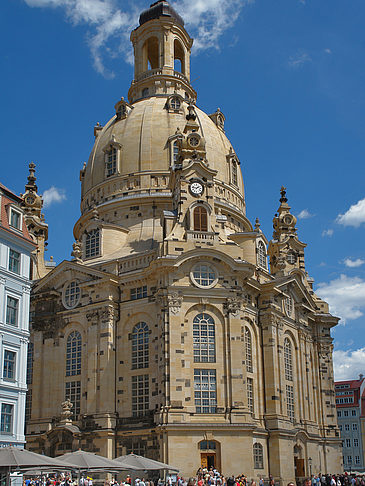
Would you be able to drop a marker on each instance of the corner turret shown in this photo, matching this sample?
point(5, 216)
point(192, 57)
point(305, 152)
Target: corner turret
point(37, 227)
point(286, 251)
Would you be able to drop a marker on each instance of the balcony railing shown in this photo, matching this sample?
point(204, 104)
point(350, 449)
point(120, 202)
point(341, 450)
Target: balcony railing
point(201, 236)
point(158, 72)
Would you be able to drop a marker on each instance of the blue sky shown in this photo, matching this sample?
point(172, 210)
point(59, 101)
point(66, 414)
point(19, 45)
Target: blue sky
point(289, 76)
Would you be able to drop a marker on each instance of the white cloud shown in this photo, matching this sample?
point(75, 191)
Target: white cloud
point(354, 216)
point(299, 59)
point(305, 214)
point(328, 51)
point(345, 295)
point(353, 263)
point(53, 195)
point(348, 364)
point(110, 25)
point(327, 232)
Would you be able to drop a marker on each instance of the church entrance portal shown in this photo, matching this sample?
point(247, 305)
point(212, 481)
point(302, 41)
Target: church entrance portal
point(208, 460)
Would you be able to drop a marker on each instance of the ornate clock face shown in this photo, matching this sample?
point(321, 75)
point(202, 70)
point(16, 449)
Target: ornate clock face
point(196, 188)
point(30, 200)
point(194, 141)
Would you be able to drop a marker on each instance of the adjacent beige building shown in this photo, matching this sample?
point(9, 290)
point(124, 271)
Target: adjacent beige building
point(167, 330)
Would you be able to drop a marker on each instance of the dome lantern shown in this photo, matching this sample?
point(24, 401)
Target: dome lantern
point(162, 49)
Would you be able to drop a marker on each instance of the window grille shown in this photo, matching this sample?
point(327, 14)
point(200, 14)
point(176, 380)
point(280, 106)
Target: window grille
point(73, 354)
point(204, 275)
point(30, 357)
point(139, 293)
point(248, 346)
point(175, 103)
point(28, 406)
point(111, 161)
point(72, 294)
point(140, 395)
point(205, 391)
point(140, 346)
point(261, 255)
point(234, 174)
point(288, 360)
point(250, 398)
point(290, 401)
point(200, 219)
point(12, 311)
point(204, 339)
point(258, 456)
point(73, 393)
point(92, 246)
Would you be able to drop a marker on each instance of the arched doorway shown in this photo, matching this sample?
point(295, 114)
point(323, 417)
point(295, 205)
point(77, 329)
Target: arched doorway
point(299, 462)
point(210, 454)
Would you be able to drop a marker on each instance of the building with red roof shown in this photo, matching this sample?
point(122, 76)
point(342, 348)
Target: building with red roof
point(16, 246)
point(350, 404)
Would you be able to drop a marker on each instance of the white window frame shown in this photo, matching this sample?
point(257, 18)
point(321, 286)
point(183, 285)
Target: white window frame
point(15, 352)
point(20, 214)
point(212, 283)
point(13, 405)
point(65, 297)
point(204, 340)
point(20, 261)
point(18, 310)
point(97, 255)
point(261, 255)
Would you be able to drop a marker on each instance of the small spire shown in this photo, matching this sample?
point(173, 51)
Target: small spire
point(283, 198)
point(32, 186)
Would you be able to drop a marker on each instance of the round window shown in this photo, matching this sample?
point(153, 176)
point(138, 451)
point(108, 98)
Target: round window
point(291, 258)
point(288, 219)
point(204, 275)
point(194, 141)
point(71, 295)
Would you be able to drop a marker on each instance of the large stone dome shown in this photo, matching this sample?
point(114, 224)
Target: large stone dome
point(144, 139)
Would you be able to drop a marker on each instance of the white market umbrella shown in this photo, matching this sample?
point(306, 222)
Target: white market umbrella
point(86, 461)
point(141, 463)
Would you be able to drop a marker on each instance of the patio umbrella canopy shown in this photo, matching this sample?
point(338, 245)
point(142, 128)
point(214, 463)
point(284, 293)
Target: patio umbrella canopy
point(143, 464)
point(15, 458)
point(87, 460)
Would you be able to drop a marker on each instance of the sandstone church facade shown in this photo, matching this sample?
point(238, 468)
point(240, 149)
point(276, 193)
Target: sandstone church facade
point(167, 330)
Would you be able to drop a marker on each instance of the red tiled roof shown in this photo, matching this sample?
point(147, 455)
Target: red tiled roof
point(10, 198)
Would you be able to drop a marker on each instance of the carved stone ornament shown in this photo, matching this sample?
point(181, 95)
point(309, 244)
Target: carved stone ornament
point(233, 306)
point(92, 316)
point(107, 314)
point(66, 412)
point(174, 302)
point(76, 252)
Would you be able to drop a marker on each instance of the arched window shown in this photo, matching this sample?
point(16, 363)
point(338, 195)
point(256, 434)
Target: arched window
point(258, 456)
point(92, 244)
point(204, 339)
point(73, 354)
point(179, 57)
point(248, 349)
point(111, 161)
point(151, 48)
point(140, 347)
point(200, 219)
point(288, 360)
point(261, 255)
point(234, 173)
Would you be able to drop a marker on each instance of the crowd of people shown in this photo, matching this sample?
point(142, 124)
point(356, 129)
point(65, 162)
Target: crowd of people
point(204, 477)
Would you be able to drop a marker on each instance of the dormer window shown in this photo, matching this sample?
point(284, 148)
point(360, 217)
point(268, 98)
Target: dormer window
point(111, 162)
point(15, 219)
point(175, 103)
point(92, 244)
point(176, 151)
point(261, 255)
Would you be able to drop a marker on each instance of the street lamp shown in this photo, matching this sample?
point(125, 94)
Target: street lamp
point(310, 466)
